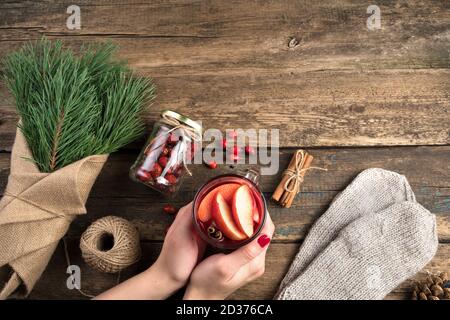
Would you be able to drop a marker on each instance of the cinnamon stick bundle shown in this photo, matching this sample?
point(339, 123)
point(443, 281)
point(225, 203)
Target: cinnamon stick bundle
point(293, 176)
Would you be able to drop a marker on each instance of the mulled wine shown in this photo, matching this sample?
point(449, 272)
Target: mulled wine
point(229, 211)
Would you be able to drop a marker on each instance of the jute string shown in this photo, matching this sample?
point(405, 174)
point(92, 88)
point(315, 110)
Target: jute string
point(124, 252)
point(125, 249)
point(296, 174)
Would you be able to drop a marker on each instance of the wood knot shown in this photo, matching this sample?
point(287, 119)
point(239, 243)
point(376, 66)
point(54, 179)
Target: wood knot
point(293, 42)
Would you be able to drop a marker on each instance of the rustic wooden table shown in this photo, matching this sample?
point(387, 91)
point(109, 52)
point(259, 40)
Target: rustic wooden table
point(354, 98)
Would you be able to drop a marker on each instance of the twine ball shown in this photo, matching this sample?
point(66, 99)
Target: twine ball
point(110, 244)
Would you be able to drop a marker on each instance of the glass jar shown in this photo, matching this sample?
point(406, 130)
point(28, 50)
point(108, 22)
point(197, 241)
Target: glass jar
point(173, 142)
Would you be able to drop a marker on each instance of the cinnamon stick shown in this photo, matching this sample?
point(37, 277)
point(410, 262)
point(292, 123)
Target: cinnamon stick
point(281, 195)
point(280, 188)
point(291, 195)
point(291, 184)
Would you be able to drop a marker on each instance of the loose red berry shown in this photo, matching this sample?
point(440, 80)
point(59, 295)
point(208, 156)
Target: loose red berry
point(163, 161)
point(169, 209)
point(224, 143)
point(249, 150)
point(233, 134)
point(212, 164)
point(171, 178)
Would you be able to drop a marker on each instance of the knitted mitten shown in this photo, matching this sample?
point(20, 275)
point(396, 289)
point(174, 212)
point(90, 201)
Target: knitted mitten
point(371, 191)
point(371, 256)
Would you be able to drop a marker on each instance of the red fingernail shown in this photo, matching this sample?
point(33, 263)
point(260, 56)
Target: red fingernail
point(263, 240)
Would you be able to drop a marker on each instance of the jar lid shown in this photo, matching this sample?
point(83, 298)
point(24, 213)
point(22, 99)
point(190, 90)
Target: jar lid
point(191, 123)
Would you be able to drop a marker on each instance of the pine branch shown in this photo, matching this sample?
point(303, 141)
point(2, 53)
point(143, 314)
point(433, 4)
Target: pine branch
point(56, 140)
point(72, 106)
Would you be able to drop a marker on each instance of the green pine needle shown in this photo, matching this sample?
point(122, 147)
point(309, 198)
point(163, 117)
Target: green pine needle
point(73, 106)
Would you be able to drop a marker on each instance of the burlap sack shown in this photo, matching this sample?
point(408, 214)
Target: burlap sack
point(35, 213)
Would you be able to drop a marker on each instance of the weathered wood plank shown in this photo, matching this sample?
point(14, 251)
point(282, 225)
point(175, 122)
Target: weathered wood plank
point(53, 283)
point(229, 61)
point(427, 169)
point(317, 109)
point(330, 34)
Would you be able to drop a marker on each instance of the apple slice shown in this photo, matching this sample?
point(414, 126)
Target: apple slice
point(223, 217)
point(204, 211)
point(242, 207)
point(256, 216)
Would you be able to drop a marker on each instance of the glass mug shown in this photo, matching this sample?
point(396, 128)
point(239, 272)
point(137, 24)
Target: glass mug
point(205, 214)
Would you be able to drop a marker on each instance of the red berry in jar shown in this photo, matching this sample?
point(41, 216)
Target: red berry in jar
point(169, 209)
point(143, 175)
point(236, 150)
point(173, 139)
point(156, 171)
point(165, 151)
point(163, 161)
point(171, 178)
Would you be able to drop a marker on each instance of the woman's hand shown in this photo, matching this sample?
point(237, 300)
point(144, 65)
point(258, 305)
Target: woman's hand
point(179, 255)
point(221, 274)
point(182, 248)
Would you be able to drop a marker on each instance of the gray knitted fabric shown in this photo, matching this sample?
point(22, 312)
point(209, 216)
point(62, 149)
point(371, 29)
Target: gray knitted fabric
point(371, 256)
point(371, 191)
